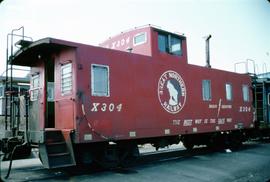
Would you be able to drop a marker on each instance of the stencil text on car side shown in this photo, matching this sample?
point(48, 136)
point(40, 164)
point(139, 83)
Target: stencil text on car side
point(103, 107)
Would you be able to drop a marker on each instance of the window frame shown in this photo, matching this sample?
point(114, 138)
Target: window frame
point(137, 35)
point(34, 88)
point(247, 93)
point(168, 43)
point(64, 65)
point(2, 91)
point(50, 89)
point(170, 38)
point(209, 96)
point(231, 91)
point(167, 46)
point(93, 93)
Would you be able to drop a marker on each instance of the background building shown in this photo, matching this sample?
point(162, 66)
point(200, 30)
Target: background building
point(20, 86)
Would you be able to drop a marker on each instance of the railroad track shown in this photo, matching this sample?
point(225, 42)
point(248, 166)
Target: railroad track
point(146, 158)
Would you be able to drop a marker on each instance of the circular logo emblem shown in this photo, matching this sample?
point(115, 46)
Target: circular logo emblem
point(171, 91)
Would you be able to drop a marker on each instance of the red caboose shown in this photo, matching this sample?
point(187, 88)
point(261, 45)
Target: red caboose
point(95, 104)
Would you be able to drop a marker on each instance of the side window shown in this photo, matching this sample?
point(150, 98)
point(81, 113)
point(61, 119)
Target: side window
point(66, 78)
point(50, 91)
point(170, 44)
point(100, 80)
point(228, 88)
point(245, 93)
point(175, 46)
point(34, 87)
point(206, 90)
point(139, 39)
point(1, 91)
point(163, 43)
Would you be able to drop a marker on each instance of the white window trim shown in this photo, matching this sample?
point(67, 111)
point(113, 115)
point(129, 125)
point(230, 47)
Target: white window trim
point(92, 80)
point(32, 89)
point(210, 91)
point(230, 90)
point(248, 98)
point(61, 68)
point(145, 35)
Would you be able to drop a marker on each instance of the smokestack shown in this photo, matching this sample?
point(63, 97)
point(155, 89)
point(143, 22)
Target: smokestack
point(207, 51)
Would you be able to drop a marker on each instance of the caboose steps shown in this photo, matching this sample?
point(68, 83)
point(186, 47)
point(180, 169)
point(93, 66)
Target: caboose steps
point(55, 152)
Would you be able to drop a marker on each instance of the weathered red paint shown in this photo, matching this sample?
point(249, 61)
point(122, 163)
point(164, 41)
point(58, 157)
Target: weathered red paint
point(134, 82)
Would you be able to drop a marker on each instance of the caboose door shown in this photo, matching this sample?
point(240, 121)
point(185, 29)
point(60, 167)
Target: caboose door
point(36, 103)
point(49, 87)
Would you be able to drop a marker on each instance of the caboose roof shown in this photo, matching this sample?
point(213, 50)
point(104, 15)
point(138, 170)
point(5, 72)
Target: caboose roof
point(26, 56)
point(150, 26)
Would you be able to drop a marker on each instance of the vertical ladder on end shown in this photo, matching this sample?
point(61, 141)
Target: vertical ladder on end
point(259, 90)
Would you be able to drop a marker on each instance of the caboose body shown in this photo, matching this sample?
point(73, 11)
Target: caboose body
point(136, 88)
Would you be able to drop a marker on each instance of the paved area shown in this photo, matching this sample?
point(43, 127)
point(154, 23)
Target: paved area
point(250, 163)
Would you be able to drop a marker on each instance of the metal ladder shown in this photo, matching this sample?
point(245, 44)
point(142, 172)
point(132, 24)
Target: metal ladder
point(12, 102)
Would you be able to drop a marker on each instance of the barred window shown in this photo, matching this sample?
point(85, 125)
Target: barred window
point(100, 80)
point(66, 78)
point(245, 93)
point(206, 90)
point(34, 87)
point(228, 88)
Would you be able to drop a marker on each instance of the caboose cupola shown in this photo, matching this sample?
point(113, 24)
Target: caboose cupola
point(150, 41)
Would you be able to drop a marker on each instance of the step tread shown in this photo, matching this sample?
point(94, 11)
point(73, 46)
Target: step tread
point(58, 154)
point(55, 143)
point(62, 165)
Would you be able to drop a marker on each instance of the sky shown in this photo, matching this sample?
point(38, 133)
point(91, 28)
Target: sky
point(240, 29)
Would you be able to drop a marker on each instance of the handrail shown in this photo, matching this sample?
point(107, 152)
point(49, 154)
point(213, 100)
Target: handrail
point(264, 68)
point(241, 62)
point(246, 63)
point(251, 60)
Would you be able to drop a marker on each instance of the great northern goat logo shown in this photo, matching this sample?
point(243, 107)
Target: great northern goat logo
point(171, 91)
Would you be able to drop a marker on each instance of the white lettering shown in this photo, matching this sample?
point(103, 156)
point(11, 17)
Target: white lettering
point(127, 40)
point(229, 120)
point(187, 122)
point(221, 120)
point(176, 122)
point(212, 106)
point(122, 42)
point(119, 107)
point(111, 107)
point(244, 109)
point(118, 43)
point(94, 108)
point(226, 106)
point(104, 106)
point(113, 45)
point(198, 121)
